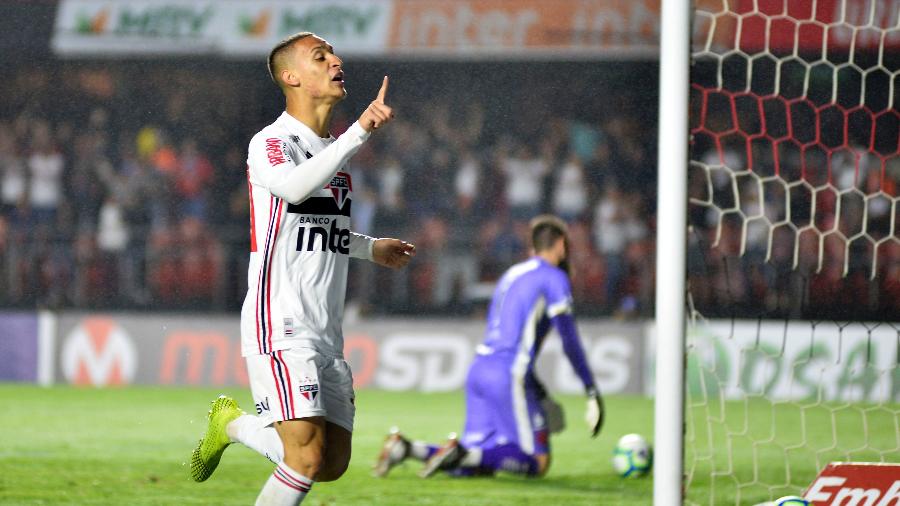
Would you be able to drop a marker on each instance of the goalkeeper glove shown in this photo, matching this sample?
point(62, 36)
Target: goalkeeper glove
point(594, 412)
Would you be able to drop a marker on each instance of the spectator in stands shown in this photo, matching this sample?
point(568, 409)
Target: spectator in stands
point(444, 143)
point(91, 177)
point(45, 169)
point(524, 170)
point(570, 191)
point(611, 239)
point(192, 174)
point(13, 176)
point(457, 264)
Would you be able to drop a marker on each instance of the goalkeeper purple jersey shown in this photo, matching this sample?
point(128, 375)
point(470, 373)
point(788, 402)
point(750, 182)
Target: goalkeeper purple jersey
point(530, 297)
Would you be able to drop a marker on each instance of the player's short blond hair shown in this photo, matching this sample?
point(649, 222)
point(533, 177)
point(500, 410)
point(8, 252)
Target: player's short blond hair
point(546, 229)
point(279, 49)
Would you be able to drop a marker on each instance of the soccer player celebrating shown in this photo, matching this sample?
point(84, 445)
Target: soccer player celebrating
point(508, 414)
point(300, 246)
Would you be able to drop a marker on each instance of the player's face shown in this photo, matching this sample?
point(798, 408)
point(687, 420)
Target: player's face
point(319, 70)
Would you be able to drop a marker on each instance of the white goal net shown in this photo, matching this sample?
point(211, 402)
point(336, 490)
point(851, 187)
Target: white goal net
point(794, 244)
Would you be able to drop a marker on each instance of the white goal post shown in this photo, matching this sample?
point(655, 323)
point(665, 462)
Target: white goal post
point(671, 244)
point(778, 245)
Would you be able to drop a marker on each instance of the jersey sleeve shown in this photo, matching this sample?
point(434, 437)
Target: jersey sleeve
point(559, 295)
point(361, 246)
point(559, 310)
point(273, 167)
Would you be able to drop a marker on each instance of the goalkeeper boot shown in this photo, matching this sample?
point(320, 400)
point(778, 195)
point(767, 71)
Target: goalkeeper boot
point(209, 450)
point(446, 459)
point(393, 452)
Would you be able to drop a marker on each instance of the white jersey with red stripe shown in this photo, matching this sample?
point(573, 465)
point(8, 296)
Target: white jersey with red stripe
point(300, 238)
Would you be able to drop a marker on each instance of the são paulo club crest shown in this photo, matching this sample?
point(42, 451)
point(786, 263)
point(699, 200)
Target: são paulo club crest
point(340, 187)
point(310, 391)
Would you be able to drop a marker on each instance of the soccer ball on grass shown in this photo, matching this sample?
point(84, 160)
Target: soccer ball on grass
point(632, 456)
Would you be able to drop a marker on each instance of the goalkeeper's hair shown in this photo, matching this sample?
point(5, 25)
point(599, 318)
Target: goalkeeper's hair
point(280, 48)
point(546, 229)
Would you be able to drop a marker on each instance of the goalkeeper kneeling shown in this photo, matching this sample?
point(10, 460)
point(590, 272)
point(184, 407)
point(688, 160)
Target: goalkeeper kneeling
point(509, 415)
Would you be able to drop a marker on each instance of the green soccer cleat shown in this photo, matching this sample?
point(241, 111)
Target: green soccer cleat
point(209, 450)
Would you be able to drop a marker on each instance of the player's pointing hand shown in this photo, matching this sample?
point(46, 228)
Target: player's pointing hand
point(378, 113)
point(383, 91)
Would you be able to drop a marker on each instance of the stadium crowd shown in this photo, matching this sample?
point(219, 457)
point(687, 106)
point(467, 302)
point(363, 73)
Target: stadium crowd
point(126, 188)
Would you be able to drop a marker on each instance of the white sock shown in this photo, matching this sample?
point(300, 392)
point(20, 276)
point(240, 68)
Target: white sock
point(263, 439)
point(472, 458)
point(419, 450)
point(285, 487)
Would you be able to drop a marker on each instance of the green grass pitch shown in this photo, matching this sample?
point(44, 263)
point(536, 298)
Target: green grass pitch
point(67, 445)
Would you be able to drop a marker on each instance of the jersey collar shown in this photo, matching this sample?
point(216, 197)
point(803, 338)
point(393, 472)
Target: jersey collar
point(297, 127)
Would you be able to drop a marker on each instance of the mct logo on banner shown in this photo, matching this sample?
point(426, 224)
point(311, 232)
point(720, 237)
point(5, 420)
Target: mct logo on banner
point(98, 352)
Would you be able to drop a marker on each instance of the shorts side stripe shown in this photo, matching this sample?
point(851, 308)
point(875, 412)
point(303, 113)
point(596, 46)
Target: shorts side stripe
point(278, 387)
point(290, 387)
point(284, 391)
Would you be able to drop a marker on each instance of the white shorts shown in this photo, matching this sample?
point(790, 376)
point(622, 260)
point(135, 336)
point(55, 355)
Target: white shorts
point(301, 383)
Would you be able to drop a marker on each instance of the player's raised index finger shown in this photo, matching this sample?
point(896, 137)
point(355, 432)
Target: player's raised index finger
point(383, 91)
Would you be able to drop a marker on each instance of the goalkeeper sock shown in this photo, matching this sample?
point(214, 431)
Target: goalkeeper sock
point(263, 439)
point(285, 487)
point(508, 457)
point(420, 450)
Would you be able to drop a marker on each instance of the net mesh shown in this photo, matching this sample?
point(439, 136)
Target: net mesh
point(794, 254)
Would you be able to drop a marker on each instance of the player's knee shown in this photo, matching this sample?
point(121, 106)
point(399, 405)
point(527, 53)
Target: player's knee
point(307, 460)
point(334, 467)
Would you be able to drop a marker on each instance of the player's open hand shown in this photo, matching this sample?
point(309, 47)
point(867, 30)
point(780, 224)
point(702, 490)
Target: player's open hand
point(378, 113)
point(392, 253)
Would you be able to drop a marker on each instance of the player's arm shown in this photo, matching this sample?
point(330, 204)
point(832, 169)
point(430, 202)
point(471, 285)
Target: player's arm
point(272, 167)
point(553, 411)
point(386, 252)
point(560, 314)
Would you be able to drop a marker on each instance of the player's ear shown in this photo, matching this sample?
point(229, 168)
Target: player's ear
point(290, 78)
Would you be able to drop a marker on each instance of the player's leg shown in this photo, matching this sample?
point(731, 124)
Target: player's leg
point(526, 446)
point(484, 384)
point(205, 457)
point(337, 396)
point(304, 448)
point(257, 432)
point(289, 393)
point(227, 423)
point(514, 439)
point(397, 448)
point(337, 452)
